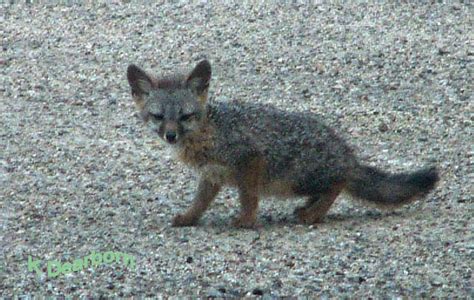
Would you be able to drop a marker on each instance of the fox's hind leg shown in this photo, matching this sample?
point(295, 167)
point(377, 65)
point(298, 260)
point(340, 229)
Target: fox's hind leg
point(318, 205)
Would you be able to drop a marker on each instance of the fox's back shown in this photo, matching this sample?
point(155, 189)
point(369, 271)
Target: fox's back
point(294, 144)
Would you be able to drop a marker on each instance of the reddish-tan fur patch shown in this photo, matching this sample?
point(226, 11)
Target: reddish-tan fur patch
point(249, 182)
point(197, 147)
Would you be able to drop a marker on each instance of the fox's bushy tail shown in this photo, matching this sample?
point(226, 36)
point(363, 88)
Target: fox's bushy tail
point(391, 190)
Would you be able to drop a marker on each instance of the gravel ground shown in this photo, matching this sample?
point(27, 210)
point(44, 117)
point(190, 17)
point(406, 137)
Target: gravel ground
point(79, 172)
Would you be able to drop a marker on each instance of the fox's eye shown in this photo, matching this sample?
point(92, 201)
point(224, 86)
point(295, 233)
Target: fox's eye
point(157, 117)
point(186, 117)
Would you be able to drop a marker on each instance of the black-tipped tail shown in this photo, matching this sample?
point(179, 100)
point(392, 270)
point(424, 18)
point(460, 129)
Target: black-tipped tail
point(391, 190)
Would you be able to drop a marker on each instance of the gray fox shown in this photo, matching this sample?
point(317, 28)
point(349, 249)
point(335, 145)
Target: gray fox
point(262, 151)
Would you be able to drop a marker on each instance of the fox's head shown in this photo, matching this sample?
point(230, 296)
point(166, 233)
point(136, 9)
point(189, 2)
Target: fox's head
point(175, 106)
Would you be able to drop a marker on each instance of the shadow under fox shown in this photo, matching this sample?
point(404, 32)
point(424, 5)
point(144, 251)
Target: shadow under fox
point(262, 151)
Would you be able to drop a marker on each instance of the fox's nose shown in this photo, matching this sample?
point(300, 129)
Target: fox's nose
point(170, 137)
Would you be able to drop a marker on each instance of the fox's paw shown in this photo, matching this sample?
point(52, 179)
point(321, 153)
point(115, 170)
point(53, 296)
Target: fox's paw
point(306, 218)
point(301, 215)
point(183, 220)
point(249, 223)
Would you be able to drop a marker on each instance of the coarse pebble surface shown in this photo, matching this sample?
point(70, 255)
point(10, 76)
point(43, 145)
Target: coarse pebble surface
point(80, 173)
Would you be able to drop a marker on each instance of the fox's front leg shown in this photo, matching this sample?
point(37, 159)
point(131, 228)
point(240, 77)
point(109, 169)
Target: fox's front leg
point(207, 191)
point(249, 176)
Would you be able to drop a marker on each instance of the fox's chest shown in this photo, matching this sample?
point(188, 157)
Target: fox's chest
point(193, 158)
point(207, 168)
point(196, 150)
point(200, 157)
point(217, 174)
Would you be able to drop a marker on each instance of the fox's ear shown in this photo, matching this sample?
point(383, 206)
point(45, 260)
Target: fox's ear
point(199, 78)
point(140, 83)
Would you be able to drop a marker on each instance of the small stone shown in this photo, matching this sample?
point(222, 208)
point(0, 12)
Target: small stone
point(257, 292)
point(437, 280)
point(213, 293)
point(443, 51)
point(383, 127)
point(112, 101)
point(422, 138)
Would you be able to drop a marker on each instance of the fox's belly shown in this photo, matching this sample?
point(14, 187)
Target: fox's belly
point(278, 188)
point(222, 175)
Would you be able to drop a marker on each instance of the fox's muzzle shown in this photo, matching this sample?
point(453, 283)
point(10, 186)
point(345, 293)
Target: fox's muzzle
point(171, 137)
point(170, 132)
